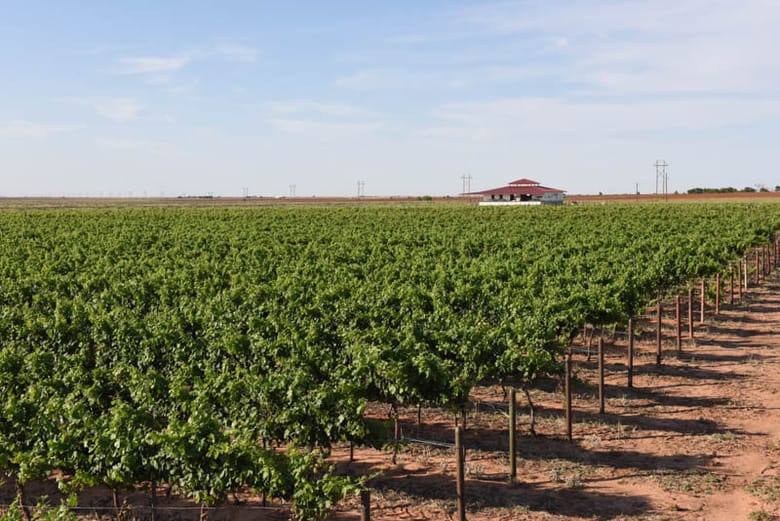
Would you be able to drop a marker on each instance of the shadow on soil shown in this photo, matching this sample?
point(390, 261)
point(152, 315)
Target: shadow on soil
point(494, 492)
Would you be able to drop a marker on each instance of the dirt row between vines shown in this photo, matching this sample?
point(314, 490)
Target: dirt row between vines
point(696, 438)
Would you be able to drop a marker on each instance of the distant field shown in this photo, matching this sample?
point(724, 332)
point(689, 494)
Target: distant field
point(157, 202)
point(110, 202)
point(741, 197)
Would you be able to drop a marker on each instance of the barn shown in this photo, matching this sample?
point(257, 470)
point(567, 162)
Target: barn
point(520, 192)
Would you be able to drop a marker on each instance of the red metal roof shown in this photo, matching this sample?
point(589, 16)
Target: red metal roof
point(519, 187)
point(525, 182)
point(518, 190)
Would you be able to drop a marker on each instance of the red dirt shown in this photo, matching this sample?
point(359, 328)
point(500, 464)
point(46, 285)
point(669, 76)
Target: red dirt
point(628, 198)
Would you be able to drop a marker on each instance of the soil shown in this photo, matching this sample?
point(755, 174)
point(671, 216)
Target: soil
point(696, 438)
point(649, 198)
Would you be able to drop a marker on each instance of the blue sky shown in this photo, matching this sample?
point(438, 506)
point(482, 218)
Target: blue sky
point(174, 97)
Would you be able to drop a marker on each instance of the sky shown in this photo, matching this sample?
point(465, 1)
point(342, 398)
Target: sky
point(151, 98)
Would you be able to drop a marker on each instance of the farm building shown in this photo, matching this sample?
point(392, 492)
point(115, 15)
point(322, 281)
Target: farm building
point(520, 192)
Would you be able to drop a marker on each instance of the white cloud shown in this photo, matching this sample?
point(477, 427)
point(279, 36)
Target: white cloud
point(128, 144)
point(635, 46)
point(404, 78)
point(324, 129)
point(118, 109)
point(152, 64)
point(372, 79)
point(29, 130)
point(315, 107)
point(237, 53)
point(323, 120)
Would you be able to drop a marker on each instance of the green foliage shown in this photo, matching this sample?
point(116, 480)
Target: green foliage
point(317, 490)
point(43, 511)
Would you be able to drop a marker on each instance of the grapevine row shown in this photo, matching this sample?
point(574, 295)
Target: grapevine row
point(227, 349)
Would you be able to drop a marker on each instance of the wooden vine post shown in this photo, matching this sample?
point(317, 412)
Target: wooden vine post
point(703, 301)
point(658, 352)
point(765, 255)
point(739, 278)
point(731, 285)
point(690, 313)
point(396, 434)
point(512, 435)
point(365, 502)
point(461, 472)
point(153, 497)
point(630, 353)
point(717, 294)
point(568, 394)
point(678, 323)
point(601, 376)
point(758, 267)
point(762, 253)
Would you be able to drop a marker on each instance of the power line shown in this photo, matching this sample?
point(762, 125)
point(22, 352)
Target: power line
point(466, 178)
point(661, 175)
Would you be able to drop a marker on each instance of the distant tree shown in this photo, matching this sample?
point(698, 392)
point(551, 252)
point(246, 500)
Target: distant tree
point(748, 189)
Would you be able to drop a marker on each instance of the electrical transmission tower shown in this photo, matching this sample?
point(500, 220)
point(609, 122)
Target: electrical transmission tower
point(466, 178)
point(292, 190)
point(662, 177)
point(361, 188)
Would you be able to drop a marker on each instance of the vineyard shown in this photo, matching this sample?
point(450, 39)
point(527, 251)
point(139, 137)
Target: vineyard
point(220, 351)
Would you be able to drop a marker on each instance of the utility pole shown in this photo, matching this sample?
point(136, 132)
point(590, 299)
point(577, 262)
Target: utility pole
point(662, 176)
point(466, 178)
